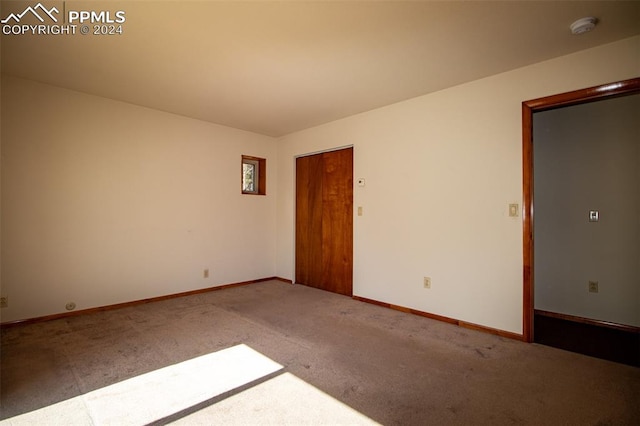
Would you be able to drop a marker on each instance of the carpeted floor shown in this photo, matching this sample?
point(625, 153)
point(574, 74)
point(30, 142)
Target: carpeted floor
point(275, 353)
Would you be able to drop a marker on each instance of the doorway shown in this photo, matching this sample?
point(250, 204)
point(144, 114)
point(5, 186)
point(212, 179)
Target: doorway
point(547, 283)
point(324, 221)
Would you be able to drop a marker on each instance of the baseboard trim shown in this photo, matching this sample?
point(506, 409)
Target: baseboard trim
point(284, 280)
point(589, 321)
point(464, 324)
point(134, 303)
point(600, 339)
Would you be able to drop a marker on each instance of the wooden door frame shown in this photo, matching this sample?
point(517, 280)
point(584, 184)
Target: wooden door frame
point(605, 91)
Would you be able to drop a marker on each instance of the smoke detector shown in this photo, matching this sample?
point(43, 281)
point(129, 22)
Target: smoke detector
point(583, 25)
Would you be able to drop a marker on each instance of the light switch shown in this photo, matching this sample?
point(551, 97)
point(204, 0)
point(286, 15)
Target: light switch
point(361, 182)
point(594, 215)
point(513, 210)
point(360, 211)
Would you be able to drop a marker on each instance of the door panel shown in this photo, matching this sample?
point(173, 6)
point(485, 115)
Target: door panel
point(324, 221)
point(309, 220)
point(337, 221)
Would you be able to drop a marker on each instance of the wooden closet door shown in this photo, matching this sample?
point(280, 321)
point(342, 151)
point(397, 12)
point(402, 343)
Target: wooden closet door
point(309, 220)
point(324, 221)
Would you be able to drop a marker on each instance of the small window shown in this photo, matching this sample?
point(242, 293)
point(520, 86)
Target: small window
point(254, 175)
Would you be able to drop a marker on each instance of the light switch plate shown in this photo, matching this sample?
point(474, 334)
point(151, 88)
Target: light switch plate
point(594, 215)
point(361, 182)
point(513, 210)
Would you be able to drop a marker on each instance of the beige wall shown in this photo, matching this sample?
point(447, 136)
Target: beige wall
point(106, 202)
point(440, 172)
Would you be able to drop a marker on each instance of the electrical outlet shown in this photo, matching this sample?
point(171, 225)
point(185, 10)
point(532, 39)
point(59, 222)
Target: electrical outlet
point(593, 286)
point(427, 282)
point(4, 301)
point(205, 274)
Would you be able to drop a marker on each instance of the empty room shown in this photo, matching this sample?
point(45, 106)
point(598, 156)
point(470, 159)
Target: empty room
point(320, 212)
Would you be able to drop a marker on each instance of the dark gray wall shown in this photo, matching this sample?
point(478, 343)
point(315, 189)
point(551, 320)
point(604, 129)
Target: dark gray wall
point(587, 157)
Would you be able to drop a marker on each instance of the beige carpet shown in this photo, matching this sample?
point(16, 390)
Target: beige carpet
point(274, 353)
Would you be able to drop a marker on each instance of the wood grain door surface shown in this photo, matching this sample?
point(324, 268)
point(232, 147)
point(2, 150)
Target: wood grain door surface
point(324, 221)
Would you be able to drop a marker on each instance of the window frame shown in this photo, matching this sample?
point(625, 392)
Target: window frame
point(260, 175)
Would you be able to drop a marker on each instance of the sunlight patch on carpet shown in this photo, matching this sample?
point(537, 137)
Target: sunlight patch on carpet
point(282, 400)
point(234, 385)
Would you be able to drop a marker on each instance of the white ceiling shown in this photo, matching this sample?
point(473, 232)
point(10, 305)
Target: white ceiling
point(278, 67)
